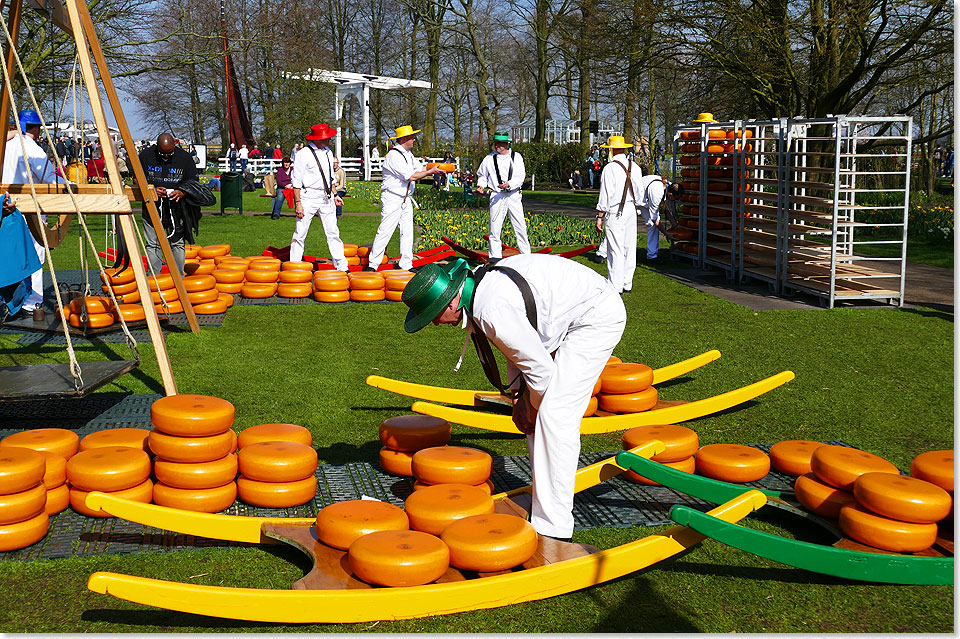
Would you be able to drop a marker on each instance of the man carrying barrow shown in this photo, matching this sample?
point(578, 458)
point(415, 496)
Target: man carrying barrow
point(556, 322)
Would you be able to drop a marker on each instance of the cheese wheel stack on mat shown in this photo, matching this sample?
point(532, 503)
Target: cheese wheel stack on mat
point(274, 433)
point(64, 442)
point(453, 465)
point(331, 286)
point(367, 287)
point(55, 481)
point(681, 444)
point(295, 279)
point(23, 498)
point(203, 295)
point(164, 291)
point(99, 310)
point(277, 474)
point(194, 444)
point(732, 463)
point(116, 470)
point(396, 281)
point(626, 388)
point(404, 435)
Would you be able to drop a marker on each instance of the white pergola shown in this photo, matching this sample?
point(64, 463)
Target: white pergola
point(358, 85)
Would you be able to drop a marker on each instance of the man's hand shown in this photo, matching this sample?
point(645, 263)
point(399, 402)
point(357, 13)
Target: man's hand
point(299, 210)
point(337, 200)
point(161, 191)
point(599, 223)
point(176, 195)
point(504, 187)
point(524, 414)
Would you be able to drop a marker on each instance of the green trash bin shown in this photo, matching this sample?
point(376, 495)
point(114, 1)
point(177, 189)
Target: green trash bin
point(231, 191)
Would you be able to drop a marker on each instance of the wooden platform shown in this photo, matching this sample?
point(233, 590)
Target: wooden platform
point(55, 381)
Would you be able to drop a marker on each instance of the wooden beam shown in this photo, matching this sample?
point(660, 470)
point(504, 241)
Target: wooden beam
point(106, 203)
point(54, 8)
point(14, 27)
point(132, 192)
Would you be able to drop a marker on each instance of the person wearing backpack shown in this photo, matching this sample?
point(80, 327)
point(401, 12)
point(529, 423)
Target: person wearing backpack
point(502, 173)
point(232, 157)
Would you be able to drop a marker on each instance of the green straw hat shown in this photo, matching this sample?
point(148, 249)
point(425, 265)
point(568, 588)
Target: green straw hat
point(428, 293)
point(501, 136)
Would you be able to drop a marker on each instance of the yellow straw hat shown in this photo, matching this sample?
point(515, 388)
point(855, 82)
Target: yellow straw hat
point(705, 117)
point(404, 131)
point(616, 142)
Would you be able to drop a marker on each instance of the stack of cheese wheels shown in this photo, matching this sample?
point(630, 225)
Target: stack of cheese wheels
point(331, 286)
point(367, 287)
point(398, 558)
point(395, 282)
point(229, 276)
point(834, 469)
point(681, 446)
point(435, 507)
point(61, 441)
point(55, 481)
point(793, 456)
point(99, 311)
point(488, 543)
point(163, 290)
point(296, 279)
point(626, 388)
point(363, 252)
point(261, 279)
point(118, 470)
point(277, 474)
point(342, 523)
point(452, 465)
point(404, 435)
point(194, 444)
point(274, 432)
point(350, 252)
point(204, 296)
point(23, 498)
point(732, 462)
point(123, 282)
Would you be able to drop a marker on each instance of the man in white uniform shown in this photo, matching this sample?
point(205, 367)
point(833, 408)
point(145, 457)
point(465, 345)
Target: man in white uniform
point(503, 173)
point(617, 213)
point(656, 191)
point(555, 351)
point(401, 170)
point(312, 181)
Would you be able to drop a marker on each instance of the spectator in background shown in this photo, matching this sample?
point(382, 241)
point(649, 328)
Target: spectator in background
point(193, 154)
point(243, 155)
point(232, 157)
point(255, 153)
point(340, 186)
point(278, 153)
point(948, 162)
point(166, 166)
point(374, 152)
point(575, 180)
point(283, 182)
point(95, 168)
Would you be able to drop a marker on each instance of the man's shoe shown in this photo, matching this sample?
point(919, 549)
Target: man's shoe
point(274, 217)
point(565, 540)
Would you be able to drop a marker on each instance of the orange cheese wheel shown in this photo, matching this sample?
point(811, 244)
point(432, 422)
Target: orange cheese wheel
point(840, 466)
point(393, 296)
point(23, 505)
point(118, 275)
point(297, 266)
point(820, 498)
point(432, 509)
point(58, 499)
point(397, 272)
point(363, 250)
point(861, 525)
point(116, 437)
point(238, 267)
point(295, 290)
point(366, 295)
point(487, 543)
point(229, 258)
point(629, 402)
point(353, 261)
point(904, 498)
point(203, 297)
point(596, 387)
point(94, 320)
point(732, 462)
point(328, 272)
point(210, 308)
point(197, 476)
point(277, 461)
point(277, 494)
point(129, 298)
point(55, 469)
point(296, 277)
point(55, 440)
point(226, 276)
point(367, 283)
point(452, 465)
point(192, 415)
point(160, 282)
point(261, 276)
point(793, 456)
point(688, 465)
point(205, 269)
point(414, 432)
point(681, 442)
point(717, 134)
point(108, 469)
point(208, 260)
point(396, 462)
point(486, 486)
point(201, 500)
point(191, 449)
point(172, 307)
point(350, 250)
point(936, 467)
point(329, 284)
point(398, 558)
point(625, 378)
point(613, 359)
point(213, 250)
point(397, 284)
point(96, 304)
point(265, 265)
point(141, 492)
point(167, 295)
point(229, 287)
point(332, 296)
point(342, 523)
point(24, 533)
point(120, 289)
point(226, 298)
point(196, 283)
point(258, 291)
point(192, 250)
point(275, 433)
point(129, 313)
point(20, 469)
point(591, 407)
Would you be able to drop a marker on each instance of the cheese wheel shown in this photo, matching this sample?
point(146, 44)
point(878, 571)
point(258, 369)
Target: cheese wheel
point(226, 298)
point(118, 275)
point(342, 523)
point(203, 297)
point(229, 287)
point(793, 456)
point(167, 295)
point(277, 494)
point(226, 276)
point(55, 440)
point(297, 266)
point(350, 250)
point(141, 492)
point(129, 298)
point(486, 486)
point(192, 415)
point(208, 260)
point(332, 296)
point(196, 283)
point(613, 359)
point(487, 543)
point(840, 466)
point(229, 258)
point(398, 558)
point(55, 469)
point(625, 378)
point(94, 320)
point(366, 295)
point(172, 307)
point(591, 407)
point(363, 250)
point(238, 267)
point(820, 498)
point(432, 509)
point(452, 465)
point(210, 308)
point(258, 291)
point(205, 269)
point(213, 250)
point(23, 505)
point(201, 500)
point(353, 261)
point(681, 442)
point(904, 498)
point(861, 525)
point(277, 461)
point(397, 284)
point(95, 304)
point(192, 250)
point(393, 296)
point(296, 277)
point(936, 467)
point(596, 387)
point(58, 499)
point(295, 290)
point(328, 284)
point(20, 469)
point(197, 476)
point(261, 276)
point(414, 432)
point(732, 462)
point(629, 402)
point(275, 433)
point(367, 283)
point(108, 469)
point(129, 313)
point(191, 449)
point(330, 272)
point(688, 465)
point(396, 462)
point(262, 265)
point(116, 437)
point(120, 289)
point(24, 533)
point(160, 282)
point(397, 272)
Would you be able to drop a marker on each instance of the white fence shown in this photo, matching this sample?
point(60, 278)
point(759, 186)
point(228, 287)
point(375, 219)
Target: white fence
point(351, 166)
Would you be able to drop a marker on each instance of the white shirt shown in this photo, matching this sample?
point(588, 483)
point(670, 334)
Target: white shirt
point(398, 166)
point(15, 169)
point(243, 153)
point(612, 180)
point(563, 291)
point(306, 173)
point(653, 193)
point(487, 174)
point(375, 154)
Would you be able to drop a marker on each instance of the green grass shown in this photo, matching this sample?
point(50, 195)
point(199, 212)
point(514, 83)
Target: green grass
point(880, 379)
point(564, 197)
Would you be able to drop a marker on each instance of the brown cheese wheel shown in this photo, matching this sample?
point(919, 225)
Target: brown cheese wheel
point(226, 298)
point(434, 508)
point(261, 276)
point(141, 492)
point(277, 494)
point(398, 558)
point(793, 456)
point(129, 313)
point(230, 288)
point(393, 296)
point(861, 525)
point(117, 437)
point(211, 308)
point(903, 498)
point(820, 498)
point(206, 500)
point(225, 276)
point(396, 462)
point(20, 469)
point(58, 499)
point(332, 296)
point(277, 461)
point(172, 307)
point(365, 295)
point(94, 320)
point(258, 291)
point(120, 289)
point(487, 543)
point(368, 283)
point(275, 433)
point(197, 476)
point(840, 466)
point(295, 290)
point(192, 415)
point(732, 462)
point(213, 250)
point(936, 467)
point(681, 442)
point(342, 523)
point(197, 283)
point(331, 284)
point(56, 440)
point(297, 266)
point(23, 505)
point(619, 379)
point(688, 465)
point(592, 406)
point(191, 449)
point(55, 469)
point(203, 297)
point(108, 469)
point(629, 402)
point(414, 432)
point(296, 277)
point(452, 465)
point(118, 275)
point(486, 486)
point(24, 533)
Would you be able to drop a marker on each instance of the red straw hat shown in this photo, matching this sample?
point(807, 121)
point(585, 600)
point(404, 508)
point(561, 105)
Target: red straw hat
point(321, 132)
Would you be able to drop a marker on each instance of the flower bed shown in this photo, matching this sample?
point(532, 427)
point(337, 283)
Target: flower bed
point(933, 222)
point(467, 228)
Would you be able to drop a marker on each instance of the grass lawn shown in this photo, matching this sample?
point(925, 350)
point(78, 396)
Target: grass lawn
point(880, 379)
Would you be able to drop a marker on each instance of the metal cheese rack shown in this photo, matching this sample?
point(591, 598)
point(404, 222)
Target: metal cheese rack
point(776, 201)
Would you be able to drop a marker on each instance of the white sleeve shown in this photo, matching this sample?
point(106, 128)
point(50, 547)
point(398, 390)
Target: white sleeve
point(483, 179)
point(297, 172)
point(654, 196)
point(519, 173)
point(608, 199)
point(397, 163)
point(509, 330)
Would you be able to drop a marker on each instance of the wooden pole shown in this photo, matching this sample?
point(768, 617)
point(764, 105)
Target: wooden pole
point(14, 25)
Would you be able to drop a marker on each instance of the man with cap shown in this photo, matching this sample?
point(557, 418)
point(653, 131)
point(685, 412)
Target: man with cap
point(312, 180)
point(617, 213)
point(557, 322)
point(503, 172)
point(401, 170)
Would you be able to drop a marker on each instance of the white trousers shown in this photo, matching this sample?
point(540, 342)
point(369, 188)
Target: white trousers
point(555, 445)
point(653, 244)
point(34, 298)
point(500, 205)
point(621, 238)
point(394, 212)
point(327, 212)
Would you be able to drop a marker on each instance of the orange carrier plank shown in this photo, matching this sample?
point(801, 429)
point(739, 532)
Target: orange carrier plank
point(432, 509)
point(342, 523)
point(20, 469)
point(820, 498)
point(399, 558)
point(192, 415)
point(904, 498)
point(275, 461)
point(452, 465)
point(108, 469)
point(487, 543)
point(793, 456)
point(414, 432)
point(732, 462)
point(55, 440)
point(275, 433)
point(840, 466)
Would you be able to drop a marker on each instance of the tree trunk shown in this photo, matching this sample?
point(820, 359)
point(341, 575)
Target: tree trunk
point(541, 33)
